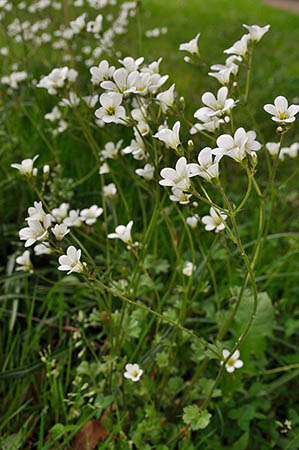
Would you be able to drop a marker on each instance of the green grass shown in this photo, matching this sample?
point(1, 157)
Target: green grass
point(35, 314)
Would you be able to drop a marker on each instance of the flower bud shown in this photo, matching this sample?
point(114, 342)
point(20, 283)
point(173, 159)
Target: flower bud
point(187, 59)
point(190, 145)
point(46, 169)
point(34, 172)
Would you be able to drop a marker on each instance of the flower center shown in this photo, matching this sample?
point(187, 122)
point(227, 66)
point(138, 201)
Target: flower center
point(282, 115)
point(110, 111)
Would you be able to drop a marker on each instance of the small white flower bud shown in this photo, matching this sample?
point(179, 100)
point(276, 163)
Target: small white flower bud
point(235, 84)
point(46, 169)
point(279, 129)
point(227, 119)
point(187, 59)
point(34, 172)
point(190, 144)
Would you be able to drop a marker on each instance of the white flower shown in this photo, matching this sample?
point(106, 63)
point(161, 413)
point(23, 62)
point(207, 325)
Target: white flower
point(230, 63)
point(73, 219)
point(273, 148)
point(42, 249)
point(78, 24)
point(170, 137)
point(95, 26)
point(192, 221)
point(60, 231)
point(255, 32)
point(111, 150)
point(210, 124)
point(166, 98)
point(130, 64)
point(236, 147)
point(191, 46)
point(178, 195)
point(36, 231)
point(133, 372)
point(290, 151)
point(61, 212)
point(123, 232)
point(215, 220)
point(234, 362)
point(147, 172)
point(90, 215)
point(104, 168)
point(239, 47)
point(26, 166)
point(109, 190)
point(207, 168)
point(111, 111)
point(136, 147)
point(178, 177)
point(72, 101)
point(223, 76)
point(25, 262)
point(102, 72)
point(54, 115)
point(71, 261)
point(91, 100)
point(36, 212)
point(215, 106)
point(281, 112)
point(188, 268)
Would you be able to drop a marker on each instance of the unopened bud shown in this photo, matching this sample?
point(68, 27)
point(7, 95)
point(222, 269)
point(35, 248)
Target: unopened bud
point(279, 129)
point(235, 84)
point(34, 172)
point(187, 59)
point(190, 144)
point(254, 158)
point(46, 169)
point(226, 119)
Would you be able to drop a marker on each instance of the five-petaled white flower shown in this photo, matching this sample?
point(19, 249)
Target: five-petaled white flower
point(26, 166)
point(215, 106)
point(192, 221)
point(255, 32)
point(215, 221)
point(111, 109)
point(273, 148)
point(73, 219)
point(36, 212)
point(191, 46)
point(109, 190)
point(90, 215)
point(60, 231)
point(36, 231)
point(234, 362)
point(71, 261)
point(236, 147)
point(239, 47)
point(25, 262)
point(178, 177)
point(61, 212)
point(207, 168)
point(102, 72)
point(280, 111)
point(188, 268)
point(178, 195)
point(166, 98)
point(123, 232)
point(147, 172)
point(170, 137)
point(133, 372)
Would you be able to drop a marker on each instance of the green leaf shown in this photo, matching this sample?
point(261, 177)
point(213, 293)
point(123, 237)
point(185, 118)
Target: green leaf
point(162, 359)
point(261, 327)
point(57, 431)
point(198, 420)
point(242, 443)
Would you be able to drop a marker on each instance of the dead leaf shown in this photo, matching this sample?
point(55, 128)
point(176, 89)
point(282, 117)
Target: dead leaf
point(90, 435)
